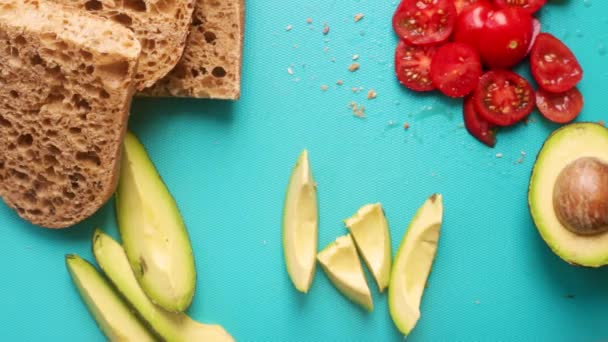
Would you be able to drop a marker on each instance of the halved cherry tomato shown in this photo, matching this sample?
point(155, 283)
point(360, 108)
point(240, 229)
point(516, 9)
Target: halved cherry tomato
point(530, 6)
point(462, 4)
point(560, 107)
point(471, 22)
point(505, 38)
point(424, 22)
point(413, 66)
point(479, 128)
point(455, 69)
point(503, 97)
point(553, 65)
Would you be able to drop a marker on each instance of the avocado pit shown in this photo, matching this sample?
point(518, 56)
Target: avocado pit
point(580, 196)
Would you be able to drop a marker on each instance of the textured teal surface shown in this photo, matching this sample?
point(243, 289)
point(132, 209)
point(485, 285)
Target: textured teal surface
point(228, 164)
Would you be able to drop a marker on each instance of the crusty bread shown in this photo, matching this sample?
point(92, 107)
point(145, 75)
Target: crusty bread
point(160, 25)
point(66, 82)
point(211, 64)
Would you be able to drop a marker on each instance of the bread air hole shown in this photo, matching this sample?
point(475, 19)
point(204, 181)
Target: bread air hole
point(93, 5)
point(123, 19)
point(25, 140)
point(218, 72)
point(89, 158)
point(134, 5)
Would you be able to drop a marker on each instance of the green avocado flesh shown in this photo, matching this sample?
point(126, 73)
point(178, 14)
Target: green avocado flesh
point(112, 314)
point(412, 264)
point(565, 146)
point(300, 225)
point(341, 263)
point(153, 232)
point(169, 326)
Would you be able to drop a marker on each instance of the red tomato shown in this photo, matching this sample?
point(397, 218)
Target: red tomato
point(471, 22)
point(553, 65)
point(424, 22)
point(479, 128)
point(536, 28)
point(530, 6)
point(505, 38)
point(503, 97)
point(560, 107)
point(413, 66)
point(462, 4)
point(455, 69)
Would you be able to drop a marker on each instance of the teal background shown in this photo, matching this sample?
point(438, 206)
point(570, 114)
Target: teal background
point(227, 165)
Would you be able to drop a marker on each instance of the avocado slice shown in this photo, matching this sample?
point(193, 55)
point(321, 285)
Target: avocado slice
point(300, 225)
point(153, 232)
point(112, 314)
point(412, 264)
point(341, 263)
point(169, 326)
point(568, 193)
point(369, 229)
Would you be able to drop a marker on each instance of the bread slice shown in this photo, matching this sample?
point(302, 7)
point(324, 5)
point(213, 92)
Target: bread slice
point(211, 64)
point(161, 26)
point(66, 82)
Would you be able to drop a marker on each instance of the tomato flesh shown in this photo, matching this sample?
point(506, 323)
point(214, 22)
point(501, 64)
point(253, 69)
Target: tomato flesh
point(461, 5)
point(505, 38)
point(560, 107)
point(553, 65)
point(471, 22)
point(503, 98)
point(477, 127)
point(455, 69)
point(413, 66)
point(530, 6)
point(424, 22)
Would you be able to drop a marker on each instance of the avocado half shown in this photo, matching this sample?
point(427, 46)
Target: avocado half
point(568, 146)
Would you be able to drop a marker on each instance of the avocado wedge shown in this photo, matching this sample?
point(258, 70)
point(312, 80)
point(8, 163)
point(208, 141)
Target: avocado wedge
point(568, 193)
point(112, 314)
point(341, 263)
point(169, 326)
point(153, 232)
point(300, 225)
point(412, 264)
point(369, 229)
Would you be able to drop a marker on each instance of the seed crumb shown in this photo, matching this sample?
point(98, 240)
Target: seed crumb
point(325, 28)
point(602, 122)
point(371, 94)
point(355, 89)
point(290, 71)
point(358, 110)
point(323, 87)
point(288, 27)
point(325, 49)
point(406, 126)
point(309, 20)
point(339, 82)
point(295, 46)
point(570, 296)
point(333, 59)
point(359, 16)
point(499, 155)
point(355, 57)
point(353, 67)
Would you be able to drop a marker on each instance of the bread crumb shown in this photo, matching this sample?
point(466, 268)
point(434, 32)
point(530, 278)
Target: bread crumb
point(353, 67)
point(358, 110)
point(333, 59)
point(371, 94)
point(309, 20)
point(339, 82)
point(355, 57)
point(323, 87)
point(325, 28)
point(290, 71)
point(406, 126)
point(499, 155)
point(288, 28)
point(602, 122)
point(325, 49)
point(359, 16)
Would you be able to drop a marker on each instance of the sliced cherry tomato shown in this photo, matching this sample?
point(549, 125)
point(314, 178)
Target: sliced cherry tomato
point(560, 107)
point(503, 97)
point(530, 6)
point(424, 22)
point(505, 39)
point(413, 66)
point(462, 4)
point(471, 22)
point(479, 128)
point(455, 69)
point(536, 28)
point(553, 65)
